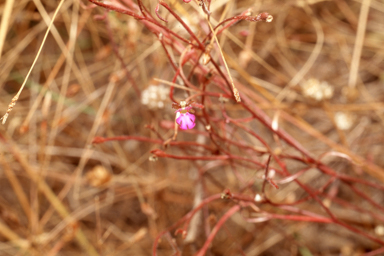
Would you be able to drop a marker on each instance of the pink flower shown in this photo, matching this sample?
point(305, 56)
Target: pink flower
point(185, 120)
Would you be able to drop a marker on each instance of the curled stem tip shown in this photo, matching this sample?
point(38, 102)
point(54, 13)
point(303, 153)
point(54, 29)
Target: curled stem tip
point(157, 13)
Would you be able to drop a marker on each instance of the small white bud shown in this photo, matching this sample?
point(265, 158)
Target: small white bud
point(379, 230)
point(313, 88)
point(343, 121)
point(258, 198)
point(153, 158)
point(271, 173)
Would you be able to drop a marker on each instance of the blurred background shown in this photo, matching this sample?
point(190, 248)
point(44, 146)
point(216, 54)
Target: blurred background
point(316, 72)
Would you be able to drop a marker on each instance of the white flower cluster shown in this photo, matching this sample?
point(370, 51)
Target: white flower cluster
point(343, 121)
point(155, 96)
point(314, 89)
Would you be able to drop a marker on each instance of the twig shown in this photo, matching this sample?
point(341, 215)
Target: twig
point(235, 91)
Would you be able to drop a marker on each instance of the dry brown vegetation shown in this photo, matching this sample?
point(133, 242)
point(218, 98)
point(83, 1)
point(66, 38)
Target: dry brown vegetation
point(315, 75)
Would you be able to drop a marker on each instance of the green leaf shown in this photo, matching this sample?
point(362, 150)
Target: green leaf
point(304, 251)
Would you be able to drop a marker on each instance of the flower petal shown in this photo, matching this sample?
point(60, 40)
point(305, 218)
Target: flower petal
point(191, 116)
point(186, 121)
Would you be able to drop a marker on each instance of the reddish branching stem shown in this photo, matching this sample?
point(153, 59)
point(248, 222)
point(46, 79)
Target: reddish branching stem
point(157, 13)
point(187, 218)
point(216, 229)
point(222, 129)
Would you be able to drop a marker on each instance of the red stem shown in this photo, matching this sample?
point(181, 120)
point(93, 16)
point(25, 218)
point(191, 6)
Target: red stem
point(186, 217)
point(216, 229)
